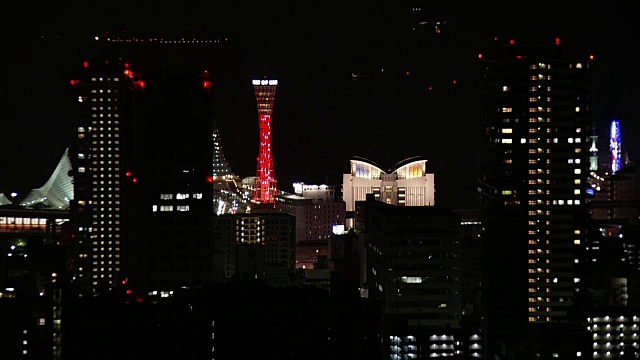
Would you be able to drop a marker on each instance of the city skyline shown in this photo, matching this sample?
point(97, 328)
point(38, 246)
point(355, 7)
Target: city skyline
point(322, 117)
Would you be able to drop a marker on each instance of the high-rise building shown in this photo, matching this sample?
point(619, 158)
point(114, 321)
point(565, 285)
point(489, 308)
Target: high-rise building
point(535, 164)
point(413, 271)
point(142, 170)
point(265, 188)
point(102, 90)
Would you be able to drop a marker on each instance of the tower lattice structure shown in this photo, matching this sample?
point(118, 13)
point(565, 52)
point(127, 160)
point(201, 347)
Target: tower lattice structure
point(264, 190)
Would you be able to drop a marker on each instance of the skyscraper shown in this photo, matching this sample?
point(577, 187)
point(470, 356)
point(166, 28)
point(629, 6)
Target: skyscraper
point(101, 90)
point(143, 169)
point(265, 188)
point(535, 163)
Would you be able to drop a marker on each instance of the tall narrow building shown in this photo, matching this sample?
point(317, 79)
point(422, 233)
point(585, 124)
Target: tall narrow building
point(535, 164)
point(101, 91)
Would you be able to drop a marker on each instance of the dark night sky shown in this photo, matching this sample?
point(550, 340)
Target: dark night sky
point(322, 118)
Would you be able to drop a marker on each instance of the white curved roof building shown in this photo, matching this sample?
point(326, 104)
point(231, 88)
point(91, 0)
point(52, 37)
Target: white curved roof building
point(406, 184)
point(57, 192)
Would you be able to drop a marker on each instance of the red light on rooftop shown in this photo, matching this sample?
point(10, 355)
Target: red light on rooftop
point(511, 42)
point(209, 179)
point(519, 57)
point(590, 57)
point(140, 84)
point(135, 180)
point(128, 173)
point(479, 56)
point(126, 65)
point(454, 82)
point(85, 64)
point(124, 282)
point(206, 84)
point(73, 82)
point(430, 88)
point(495, 38)
point(557, 41)
point(129, 291)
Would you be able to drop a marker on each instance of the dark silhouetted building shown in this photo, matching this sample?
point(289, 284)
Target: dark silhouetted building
point(535, 164)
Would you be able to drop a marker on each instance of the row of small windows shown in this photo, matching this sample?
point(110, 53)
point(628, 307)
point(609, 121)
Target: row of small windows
point(180, 196)
point(21, 221)
point(154, 208)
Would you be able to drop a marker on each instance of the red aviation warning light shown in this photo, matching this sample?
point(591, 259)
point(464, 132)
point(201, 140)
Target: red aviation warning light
point(265, 188)
point(206, 84)
point(85, 64)
point(591, 57)
point(209, 178)
point(479, 56)
point(557, 41)
point(128, 174)
point(139, 84)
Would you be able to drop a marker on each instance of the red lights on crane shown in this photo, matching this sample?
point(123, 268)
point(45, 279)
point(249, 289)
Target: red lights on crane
point(139, 84)
point(135, 180)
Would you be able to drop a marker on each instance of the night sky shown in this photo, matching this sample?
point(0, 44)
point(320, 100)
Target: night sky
point(321, 117)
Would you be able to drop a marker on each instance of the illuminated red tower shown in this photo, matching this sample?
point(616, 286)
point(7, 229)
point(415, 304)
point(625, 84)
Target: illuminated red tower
point(264, 190)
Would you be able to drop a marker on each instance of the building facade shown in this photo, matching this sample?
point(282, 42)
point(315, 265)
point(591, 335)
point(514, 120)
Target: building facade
point(535, 164)
point(406, 184)
point(414, 272)
point(261, 244)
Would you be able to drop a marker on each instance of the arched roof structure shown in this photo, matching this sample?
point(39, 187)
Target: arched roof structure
point(57, 192)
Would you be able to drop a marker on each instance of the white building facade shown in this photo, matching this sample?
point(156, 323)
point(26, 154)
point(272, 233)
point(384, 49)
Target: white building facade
point(406, 184)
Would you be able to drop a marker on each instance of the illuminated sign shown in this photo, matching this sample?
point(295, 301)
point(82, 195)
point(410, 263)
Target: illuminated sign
point(265, 82)
point(615, 146)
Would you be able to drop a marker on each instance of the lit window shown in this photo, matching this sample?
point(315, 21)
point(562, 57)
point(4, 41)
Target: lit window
point(507, 131)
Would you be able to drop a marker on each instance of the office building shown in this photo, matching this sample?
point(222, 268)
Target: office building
point(413, 271)
point(535, 164)
point(316, 214)
point(143, 176)
point(257, 246)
